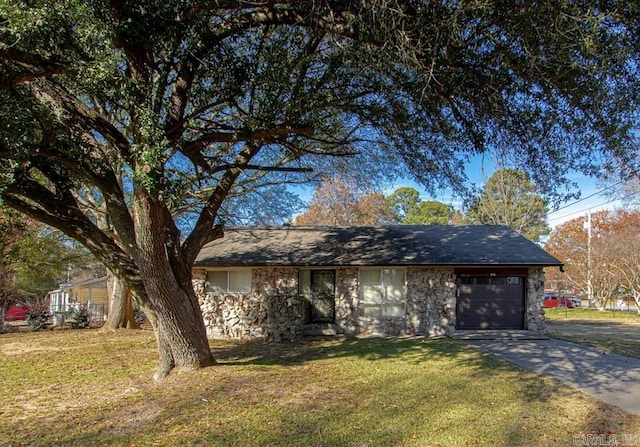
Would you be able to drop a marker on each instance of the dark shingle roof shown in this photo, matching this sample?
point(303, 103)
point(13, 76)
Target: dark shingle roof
point(473, 245)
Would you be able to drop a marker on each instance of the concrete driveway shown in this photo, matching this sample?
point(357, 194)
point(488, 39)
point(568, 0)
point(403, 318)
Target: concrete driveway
point(612, 378)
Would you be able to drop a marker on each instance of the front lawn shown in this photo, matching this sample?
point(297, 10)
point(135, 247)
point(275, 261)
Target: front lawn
point(585, 313)
point(78, 388)
point(613, 331)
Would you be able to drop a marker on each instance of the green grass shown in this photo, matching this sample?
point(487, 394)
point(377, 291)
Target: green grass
point(612, 331)
point(77, 388)
point(584, 313)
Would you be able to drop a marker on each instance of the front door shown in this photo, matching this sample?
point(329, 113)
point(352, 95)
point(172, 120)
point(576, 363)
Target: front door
point(322, 288)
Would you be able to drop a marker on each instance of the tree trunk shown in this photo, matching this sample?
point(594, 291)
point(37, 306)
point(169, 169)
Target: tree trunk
point(4, 305)
point(168, 293)
point(178, 326)
point(601, 303)
point(129, 317)
point(120, 305)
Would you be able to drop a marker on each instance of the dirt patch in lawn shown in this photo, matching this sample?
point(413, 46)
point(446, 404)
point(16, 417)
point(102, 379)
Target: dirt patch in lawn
point(17, 348)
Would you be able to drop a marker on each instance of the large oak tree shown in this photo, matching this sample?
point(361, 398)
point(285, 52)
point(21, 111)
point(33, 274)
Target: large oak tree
point(160, 107)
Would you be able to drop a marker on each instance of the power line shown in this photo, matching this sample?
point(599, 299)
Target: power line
point(581, 211)
point(588, 197)
point(450, 200)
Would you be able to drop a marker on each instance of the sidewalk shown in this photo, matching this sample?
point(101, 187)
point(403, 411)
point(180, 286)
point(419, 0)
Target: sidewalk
point(612, 378)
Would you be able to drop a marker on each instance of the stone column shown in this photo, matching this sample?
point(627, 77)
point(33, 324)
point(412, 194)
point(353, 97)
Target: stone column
point(431, 301)
point(347, 301)
point(535, 296)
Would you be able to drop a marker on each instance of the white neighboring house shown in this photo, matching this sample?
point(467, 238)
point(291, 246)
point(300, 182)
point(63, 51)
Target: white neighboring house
point(91, 293)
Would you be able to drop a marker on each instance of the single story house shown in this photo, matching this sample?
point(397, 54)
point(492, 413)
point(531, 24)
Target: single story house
point(281, 283)
point(90, 293)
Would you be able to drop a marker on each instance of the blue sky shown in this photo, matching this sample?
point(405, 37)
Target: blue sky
point(593, 198)
point(479, 169)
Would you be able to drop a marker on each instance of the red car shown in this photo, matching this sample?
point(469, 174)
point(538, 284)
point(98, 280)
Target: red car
point(17, 311)
point(552, 300)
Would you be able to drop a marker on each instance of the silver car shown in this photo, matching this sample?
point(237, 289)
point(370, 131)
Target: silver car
point(577, 302)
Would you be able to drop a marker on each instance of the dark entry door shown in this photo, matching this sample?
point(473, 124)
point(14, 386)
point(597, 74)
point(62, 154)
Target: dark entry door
point(323, 284)
point(495, 302)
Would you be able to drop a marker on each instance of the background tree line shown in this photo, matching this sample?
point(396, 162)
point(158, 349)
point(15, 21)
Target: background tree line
point(608, 263)
point(507, 198)
point(35, 259)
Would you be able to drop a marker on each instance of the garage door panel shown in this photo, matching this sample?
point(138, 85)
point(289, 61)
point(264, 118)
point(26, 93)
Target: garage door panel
point(490, 306)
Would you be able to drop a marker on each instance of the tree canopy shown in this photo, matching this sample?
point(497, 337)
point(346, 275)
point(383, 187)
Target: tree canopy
point(12, 231)
point(409, 209)
point(173, 107)
point(509, 198)
point(402, 200)
point(430, 212)
point(340, 202)
point(627, 191)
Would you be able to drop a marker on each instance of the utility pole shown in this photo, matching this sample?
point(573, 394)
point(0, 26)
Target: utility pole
point(589, 287)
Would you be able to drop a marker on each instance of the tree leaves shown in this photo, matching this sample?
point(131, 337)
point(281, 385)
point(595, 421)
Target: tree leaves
point(608, 260)
point(342, 202)
point(509, 198)
point(186, 104)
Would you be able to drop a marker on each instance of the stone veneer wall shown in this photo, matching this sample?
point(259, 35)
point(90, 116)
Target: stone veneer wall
point(347, 300)
point(274, 310)
point(431, 301)
point(430, 306)
point(534, 297)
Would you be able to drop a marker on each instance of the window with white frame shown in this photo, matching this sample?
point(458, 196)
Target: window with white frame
point(229, 281)
point(382, 292)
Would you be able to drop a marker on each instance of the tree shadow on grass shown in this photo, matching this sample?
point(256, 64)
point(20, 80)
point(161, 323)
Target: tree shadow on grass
point(377, 392)
point(413, 350)
point(248, 399)
point(294, 353)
